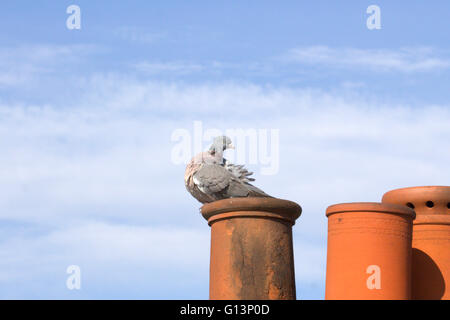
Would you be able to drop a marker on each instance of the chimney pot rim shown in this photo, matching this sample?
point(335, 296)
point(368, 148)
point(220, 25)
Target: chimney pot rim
point(427, 200)
point(289, 209)
point(370, 207)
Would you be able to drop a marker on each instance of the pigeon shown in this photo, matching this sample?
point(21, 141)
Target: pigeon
point(210, 177)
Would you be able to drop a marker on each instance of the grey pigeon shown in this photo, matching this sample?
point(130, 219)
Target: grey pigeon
point(210, 177)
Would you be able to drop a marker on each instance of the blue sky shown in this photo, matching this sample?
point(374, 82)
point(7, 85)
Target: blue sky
point(86, 118)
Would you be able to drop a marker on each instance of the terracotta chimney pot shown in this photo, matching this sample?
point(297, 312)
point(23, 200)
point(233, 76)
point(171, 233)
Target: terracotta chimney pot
point(431, 239)
point(251, 248)
point(369, 251)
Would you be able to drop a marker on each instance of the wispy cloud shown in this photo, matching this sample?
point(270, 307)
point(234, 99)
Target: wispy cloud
point(83, 174)
point(180, 68)
point(34, 267)
point(168, 67)
point(22, 63)
point(139, 35)
point(419, 59)
point(111, 149)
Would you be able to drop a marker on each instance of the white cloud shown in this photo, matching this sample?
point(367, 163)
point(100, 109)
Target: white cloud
point(107, 158)
point(139, 35)
point(416, 59)
point(114, 148)
point(21, 64)
point(168, 67)
point(116, 260)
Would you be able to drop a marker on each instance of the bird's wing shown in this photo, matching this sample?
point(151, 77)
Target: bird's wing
point(243, 175)
point(216, 180)
point(211, 178)
point(239, 171)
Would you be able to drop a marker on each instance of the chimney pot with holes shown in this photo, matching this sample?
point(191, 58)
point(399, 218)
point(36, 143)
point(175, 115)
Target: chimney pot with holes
point(431, 239)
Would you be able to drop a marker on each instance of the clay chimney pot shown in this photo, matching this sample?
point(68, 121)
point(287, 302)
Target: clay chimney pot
point(251, 248)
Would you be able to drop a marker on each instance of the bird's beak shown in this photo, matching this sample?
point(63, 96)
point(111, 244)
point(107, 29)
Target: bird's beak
point(230, 146)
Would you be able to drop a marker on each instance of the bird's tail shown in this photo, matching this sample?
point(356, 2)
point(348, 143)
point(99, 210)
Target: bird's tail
point(256, 192)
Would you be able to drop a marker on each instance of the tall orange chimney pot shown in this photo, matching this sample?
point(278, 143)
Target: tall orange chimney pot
point(369, 251)
point(431, 239)
point(251, 248)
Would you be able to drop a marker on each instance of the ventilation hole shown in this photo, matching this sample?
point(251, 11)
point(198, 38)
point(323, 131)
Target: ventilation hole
point(448, 205)
point(409, 204)
point(430, 204)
